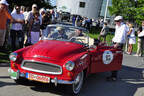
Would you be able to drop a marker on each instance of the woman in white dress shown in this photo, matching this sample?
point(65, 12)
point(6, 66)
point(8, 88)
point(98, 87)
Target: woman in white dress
point(34, 29)
point(132, 38)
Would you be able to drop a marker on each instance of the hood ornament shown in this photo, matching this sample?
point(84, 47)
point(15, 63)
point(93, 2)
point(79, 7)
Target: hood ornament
point(39, 56)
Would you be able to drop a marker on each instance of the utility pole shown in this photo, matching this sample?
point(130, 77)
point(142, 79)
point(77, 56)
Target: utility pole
point(106, 10)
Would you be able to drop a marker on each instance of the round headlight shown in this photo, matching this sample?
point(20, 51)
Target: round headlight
point(70, 65)
point(13, 56)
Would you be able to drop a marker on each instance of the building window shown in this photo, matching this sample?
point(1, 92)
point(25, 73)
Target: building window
point(82, 4)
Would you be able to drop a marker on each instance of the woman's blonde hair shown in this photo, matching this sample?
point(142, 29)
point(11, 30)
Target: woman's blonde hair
point(131, 25)
point(36, 13)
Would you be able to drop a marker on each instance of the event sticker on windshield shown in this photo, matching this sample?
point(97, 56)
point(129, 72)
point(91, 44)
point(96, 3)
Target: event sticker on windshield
point(107, 57)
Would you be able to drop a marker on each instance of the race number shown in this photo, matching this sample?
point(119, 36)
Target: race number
point(107, 57)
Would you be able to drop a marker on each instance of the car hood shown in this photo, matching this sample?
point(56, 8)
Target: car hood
point(54, 50)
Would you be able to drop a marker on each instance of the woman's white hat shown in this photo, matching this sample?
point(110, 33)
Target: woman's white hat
point(34, 5)
point(42, 10)
point(4, 2)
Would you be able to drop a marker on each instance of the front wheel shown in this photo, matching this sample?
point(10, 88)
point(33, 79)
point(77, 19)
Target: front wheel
point(76, 87)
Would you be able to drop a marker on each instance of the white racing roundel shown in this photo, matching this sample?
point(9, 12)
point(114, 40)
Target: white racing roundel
point(107, 57)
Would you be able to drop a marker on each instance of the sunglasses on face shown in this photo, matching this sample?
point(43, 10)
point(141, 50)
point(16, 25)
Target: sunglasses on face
point(17, 8)
point(117, 21)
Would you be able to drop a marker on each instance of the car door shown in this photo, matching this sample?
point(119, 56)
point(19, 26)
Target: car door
point(105, 58)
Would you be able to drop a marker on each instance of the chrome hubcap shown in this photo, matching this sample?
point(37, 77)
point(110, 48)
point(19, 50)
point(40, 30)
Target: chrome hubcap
point(78, 83)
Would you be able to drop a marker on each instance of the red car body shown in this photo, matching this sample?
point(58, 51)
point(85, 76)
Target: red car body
point(46, 61)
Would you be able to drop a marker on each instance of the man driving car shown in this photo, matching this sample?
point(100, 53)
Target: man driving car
point(59, 34)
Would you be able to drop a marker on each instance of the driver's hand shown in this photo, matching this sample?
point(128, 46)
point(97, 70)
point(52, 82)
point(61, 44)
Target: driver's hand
point(116, 45)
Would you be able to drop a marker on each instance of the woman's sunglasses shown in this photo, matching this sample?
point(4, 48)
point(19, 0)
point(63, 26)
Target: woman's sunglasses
point(117, 20)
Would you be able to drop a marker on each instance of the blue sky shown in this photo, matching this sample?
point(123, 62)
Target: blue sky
point(53, 2)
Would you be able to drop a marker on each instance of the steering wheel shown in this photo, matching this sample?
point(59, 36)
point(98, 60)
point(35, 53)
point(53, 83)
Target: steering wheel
point(80, 40)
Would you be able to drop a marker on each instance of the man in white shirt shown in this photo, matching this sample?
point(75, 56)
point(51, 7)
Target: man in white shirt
point(120, 32)
point(140, 45)
point(119, 40)
point(16, 29)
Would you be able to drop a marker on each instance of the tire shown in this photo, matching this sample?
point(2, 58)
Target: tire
point(76, 87)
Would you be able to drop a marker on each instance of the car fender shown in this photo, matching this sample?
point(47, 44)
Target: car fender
point(82, 62)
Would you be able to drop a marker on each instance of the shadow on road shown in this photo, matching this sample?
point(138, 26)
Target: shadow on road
point(2, 84)
point(59, 90)
point(134, 69)
point(4, 77)
point(130, 80)
point(4, 64)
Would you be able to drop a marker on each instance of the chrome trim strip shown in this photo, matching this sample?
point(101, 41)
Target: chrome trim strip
point(84, 56)
point(118, 51)
point(40, 71)
point(39, 56)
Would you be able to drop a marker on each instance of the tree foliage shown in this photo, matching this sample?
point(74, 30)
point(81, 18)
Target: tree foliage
point(28, 3)
point(132, 10)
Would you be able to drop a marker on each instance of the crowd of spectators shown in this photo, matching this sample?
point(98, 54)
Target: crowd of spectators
point(23, 26)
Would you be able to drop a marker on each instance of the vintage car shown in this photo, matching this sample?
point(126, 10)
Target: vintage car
point(64, 55)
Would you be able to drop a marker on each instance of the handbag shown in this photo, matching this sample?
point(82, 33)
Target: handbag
point(128, 36)
point(141, 34)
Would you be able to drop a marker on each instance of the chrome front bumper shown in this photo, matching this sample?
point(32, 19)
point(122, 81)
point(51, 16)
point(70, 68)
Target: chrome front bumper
point(15, 75)
point(56, 81)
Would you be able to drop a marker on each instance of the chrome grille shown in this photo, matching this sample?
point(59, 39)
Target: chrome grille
point(42, 67)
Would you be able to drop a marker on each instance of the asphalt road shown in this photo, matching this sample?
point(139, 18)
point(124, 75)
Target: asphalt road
point(130, 83)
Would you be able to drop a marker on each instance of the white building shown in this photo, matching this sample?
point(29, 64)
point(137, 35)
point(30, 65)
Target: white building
point(87, 8)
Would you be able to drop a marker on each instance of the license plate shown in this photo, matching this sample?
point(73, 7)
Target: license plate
point(39, 78)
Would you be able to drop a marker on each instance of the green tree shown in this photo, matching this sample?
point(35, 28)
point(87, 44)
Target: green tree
point(28, 3)
point(132, 10)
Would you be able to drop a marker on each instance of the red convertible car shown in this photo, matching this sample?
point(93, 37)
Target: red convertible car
point(64, 55)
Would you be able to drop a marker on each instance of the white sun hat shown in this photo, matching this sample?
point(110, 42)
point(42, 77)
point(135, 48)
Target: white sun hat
point(42, 10)
point(4, 2)
point(34, 5)
point(118, 18)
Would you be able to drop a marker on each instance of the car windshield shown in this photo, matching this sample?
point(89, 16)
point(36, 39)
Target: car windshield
point(66, 33)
